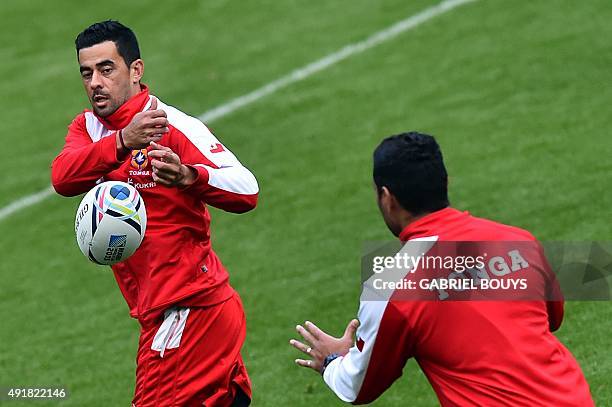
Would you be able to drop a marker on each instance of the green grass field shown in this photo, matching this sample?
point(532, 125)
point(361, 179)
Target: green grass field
point(516, 93)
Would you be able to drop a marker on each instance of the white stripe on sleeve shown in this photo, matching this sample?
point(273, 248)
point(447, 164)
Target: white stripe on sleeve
point(345, 375)
point(233, 179)
point(230, 175)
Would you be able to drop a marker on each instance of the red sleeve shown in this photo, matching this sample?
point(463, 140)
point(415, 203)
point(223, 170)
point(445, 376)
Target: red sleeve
point(82, 162)
point(383, 347)
point(222, 181)
point(392, 349)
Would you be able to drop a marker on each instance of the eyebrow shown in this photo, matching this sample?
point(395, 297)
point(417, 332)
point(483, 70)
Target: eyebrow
point(98, 65)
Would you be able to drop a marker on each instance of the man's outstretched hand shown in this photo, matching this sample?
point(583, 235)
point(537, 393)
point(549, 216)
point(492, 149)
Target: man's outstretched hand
point(168, 169)
point(318, 344)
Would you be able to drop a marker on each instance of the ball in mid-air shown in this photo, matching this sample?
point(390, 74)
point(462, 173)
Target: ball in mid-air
point(110, 222)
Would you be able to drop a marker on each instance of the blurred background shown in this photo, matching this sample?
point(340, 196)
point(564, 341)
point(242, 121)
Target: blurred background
point(515, 92)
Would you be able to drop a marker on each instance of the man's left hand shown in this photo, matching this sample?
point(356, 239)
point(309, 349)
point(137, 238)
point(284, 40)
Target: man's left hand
point(319, 344)
point(168, 169)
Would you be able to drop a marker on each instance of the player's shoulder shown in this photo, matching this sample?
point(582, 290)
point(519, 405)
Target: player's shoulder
point(185, 123)
point(88, 124)
point(494, 230)
point(80, 122)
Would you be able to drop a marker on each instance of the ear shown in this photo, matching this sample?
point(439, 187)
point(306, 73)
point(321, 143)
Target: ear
point(136, 70)
point(387, 199)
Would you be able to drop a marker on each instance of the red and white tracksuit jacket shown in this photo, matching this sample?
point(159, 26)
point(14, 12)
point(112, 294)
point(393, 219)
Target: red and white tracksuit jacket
point(474, 353)
point(175, 265)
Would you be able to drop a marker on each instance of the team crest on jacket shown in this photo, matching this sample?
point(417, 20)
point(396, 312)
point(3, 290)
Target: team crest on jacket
point(140, 159)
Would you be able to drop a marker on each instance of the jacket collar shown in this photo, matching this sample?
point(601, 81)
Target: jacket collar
point(431, 223)
point(123, 116)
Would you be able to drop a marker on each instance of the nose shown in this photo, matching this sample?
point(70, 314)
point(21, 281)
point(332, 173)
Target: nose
point(96, 80)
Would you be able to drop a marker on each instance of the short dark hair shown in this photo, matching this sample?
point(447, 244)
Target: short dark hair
point(110, 30)
point(410, 165)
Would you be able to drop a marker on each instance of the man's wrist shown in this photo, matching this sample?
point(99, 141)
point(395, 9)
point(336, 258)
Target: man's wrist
point(122, 149)
point(328, 359)
point(122, 140)
point(189, 175)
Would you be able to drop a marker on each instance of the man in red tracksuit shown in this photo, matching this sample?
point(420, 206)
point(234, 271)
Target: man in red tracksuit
point(498, 352)
point(192, 320)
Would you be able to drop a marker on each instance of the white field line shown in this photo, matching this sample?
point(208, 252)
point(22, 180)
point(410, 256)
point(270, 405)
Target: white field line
point(26, 201)
point(332, 59)
point(295, 76)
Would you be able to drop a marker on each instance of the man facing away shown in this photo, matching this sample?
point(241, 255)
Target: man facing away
point(192, 320)
point(474, 353)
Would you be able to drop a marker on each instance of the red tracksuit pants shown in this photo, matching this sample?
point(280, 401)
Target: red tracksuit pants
point(191, 357)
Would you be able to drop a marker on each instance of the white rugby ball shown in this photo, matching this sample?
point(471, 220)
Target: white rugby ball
point(110, 222)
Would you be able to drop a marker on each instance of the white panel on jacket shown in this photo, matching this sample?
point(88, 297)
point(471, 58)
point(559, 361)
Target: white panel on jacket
point(230, 175)
point(95, 128)
point(345, 375)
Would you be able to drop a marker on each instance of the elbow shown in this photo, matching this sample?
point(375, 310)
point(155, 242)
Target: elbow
point(57, 179)
point(247, 199)
point(244, 198)
point(61, 185)
point(245, 204)
point(62, 188)
point(364, 399)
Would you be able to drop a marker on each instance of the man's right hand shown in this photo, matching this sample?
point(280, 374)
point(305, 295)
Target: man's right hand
point(145, 127)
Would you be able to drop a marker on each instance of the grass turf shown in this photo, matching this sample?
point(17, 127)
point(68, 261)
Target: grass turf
point(514, 91)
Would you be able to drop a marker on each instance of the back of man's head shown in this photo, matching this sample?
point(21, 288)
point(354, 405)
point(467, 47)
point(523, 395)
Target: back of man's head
point(109, 30)
point(410, 165)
